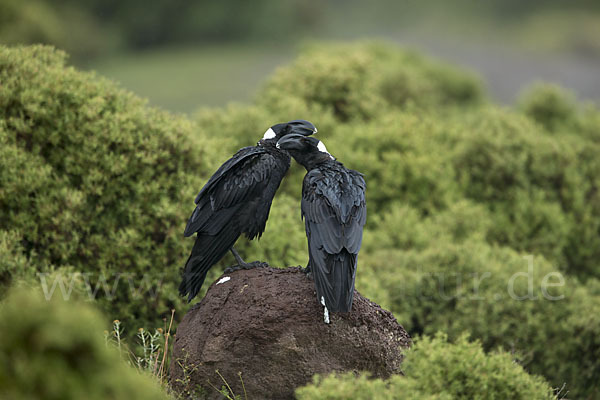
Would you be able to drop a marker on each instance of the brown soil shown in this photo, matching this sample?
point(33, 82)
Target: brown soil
point(267, 324)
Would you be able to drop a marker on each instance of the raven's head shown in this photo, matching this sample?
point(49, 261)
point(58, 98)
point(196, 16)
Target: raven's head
point(305, 150)
point(295, 127)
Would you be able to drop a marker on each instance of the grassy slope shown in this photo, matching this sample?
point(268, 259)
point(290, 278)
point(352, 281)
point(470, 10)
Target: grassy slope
point(182, 79)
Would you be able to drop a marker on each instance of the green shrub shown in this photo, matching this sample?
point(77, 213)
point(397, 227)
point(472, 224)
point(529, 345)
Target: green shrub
point(504, 162)
point(13, 262)
point(54, 350)
point(464, 371)
point(556, 109)
point(549, 105)
point(436, 369)
point(94, 179)
point(403, 158)
point(362, 81)
point(404, 228)
point(541, 189)
point(579, 344)
point(589, 123)
point(498, 297)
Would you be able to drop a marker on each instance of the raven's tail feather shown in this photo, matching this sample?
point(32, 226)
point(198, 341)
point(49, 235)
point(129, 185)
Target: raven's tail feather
point(335, 282)
point(207, 251)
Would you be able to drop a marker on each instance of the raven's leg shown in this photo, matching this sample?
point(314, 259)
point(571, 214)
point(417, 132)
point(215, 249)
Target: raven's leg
point(241, 263)
point(238, 258)
point(307, 270)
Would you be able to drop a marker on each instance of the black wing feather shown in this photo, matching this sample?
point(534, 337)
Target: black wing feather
point(238, 157)
point(334, 209)
point(235, 200)
point(243, 177)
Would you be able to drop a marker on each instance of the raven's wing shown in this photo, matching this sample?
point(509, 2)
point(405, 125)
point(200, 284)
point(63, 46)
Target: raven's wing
point(240, 179)
point(241, 155)
point(334, 209)
point(235, 200)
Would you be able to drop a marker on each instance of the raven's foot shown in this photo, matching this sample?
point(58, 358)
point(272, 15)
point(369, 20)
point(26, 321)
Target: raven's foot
point(255, 264)
point(306, 271)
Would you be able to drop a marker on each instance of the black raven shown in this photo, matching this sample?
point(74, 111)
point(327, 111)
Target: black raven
point(334, 212)
point(236, 200)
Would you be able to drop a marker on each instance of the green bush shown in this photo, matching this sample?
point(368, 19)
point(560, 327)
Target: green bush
point(589, 123)
point(493, 294)
point(557, 111)
point(94, 179)
point(403, 157)
point(549, 105)
point(54, 350)
point(436, 369)
point(539, 189)
point(13, 263)
point(363, 81)
point(504, 162)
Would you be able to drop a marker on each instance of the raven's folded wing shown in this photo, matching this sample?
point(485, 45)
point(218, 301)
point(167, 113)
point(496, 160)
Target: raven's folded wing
point(241, 179)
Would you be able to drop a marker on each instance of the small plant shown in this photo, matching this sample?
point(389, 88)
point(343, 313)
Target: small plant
point(227, 391)
point(151, 347)
point(155, 348)
point(117, 333)
point(188, 369)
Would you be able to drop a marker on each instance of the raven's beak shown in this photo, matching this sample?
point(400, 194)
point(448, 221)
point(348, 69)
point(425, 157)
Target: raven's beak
point(303, 127)
point(289, 141)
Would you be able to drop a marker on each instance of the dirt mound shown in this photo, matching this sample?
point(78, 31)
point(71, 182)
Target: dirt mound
point(267, 324)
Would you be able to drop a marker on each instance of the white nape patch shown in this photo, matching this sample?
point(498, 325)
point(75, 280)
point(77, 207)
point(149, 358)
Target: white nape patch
point(223, 280)
point(325, 312)
point(269, 134)
point(323, 149)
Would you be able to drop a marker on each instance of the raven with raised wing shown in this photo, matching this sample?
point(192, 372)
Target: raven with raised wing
point(236, 200)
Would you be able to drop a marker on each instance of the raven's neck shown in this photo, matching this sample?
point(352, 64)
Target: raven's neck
point(311, 161)
point(270, 145)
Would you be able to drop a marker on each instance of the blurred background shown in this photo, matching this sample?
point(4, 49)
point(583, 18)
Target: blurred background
point(183, 54)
